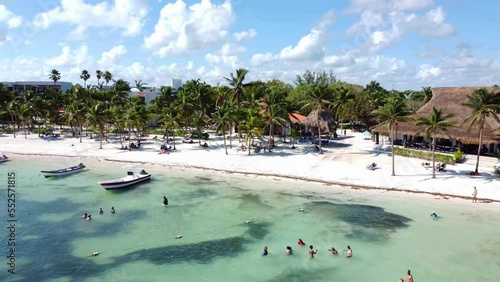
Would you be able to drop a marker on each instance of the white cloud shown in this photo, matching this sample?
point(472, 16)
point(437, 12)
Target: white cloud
point(213, 59)
point(251, 33)
point(232, 50)
point(121, 14)
point(388, 5)
point(427, 71)
point(182, 29)
point(69, 57)
point(311, 46)
point(260, 59)
point(9, 17)
point(383, 30)
point(112, 56)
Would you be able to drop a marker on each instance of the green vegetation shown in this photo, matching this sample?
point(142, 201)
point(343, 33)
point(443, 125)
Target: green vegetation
point(459, 156)
point(424, 155)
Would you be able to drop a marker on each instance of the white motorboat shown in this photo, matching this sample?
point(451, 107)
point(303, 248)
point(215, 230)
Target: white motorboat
point(131, 179)
point(64, 171)
point(3, 158)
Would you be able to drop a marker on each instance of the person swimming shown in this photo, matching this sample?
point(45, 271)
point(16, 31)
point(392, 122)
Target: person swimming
point(289, 250)
point(112, 209)
point(85, 215)
point(333, 251)
point(165, 201)
point(265, 253)
point(89, 217)
point(101, 212)
point(301, 243)
point(434, 215)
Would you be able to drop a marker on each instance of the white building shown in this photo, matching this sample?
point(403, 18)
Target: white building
point(147, 94)
point(176, 83)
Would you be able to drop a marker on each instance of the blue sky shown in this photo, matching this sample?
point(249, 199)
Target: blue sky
point(403, 44)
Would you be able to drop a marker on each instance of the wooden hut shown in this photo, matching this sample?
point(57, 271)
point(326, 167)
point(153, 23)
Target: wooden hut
point(326, 122)
point(450, 100)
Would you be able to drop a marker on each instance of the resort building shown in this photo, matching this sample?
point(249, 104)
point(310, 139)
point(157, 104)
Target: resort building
point(450, 100)
point(37, 86)
point(148, 94)
point(175, 83)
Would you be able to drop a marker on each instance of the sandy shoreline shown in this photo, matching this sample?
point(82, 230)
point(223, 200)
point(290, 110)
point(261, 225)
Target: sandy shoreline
point(343, 163)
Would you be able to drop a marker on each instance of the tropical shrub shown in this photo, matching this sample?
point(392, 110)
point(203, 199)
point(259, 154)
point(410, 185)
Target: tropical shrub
point(440, 158)
point(459, 156)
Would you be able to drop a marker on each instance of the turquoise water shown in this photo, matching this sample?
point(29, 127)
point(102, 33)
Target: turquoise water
point(388, 232)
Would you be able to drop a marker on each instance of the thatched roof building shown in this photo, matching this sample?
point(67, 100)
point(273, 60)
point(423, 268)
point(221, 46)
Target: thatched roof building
point(326, 122)
point(450, 100)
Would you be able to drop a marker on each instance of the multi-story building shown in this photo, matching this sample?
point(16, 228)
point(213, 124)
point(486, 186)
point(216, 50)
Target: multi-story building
point(37, 86)
point(176, 83)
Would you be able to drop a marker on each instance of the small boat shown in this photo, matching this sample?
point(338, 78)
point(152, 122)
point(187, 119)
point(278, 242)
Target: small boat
point(131, 179)
point(3, 158)
point(64, 171)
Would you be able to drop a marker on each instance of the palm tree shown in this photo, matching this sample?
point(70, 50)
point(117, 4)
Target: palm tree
point(55, 76)
point(221, 119)
point(96, 116)
point(85, 76)
point(390, 114)
point(236, 82)
point(252, 126)
point(75, 116)
point(169, 118)
point(108, 77)
point(99, 75)
point(342, 97)
point(484, 104)
point(434, 122)
point(319, 96)
point(140, 85)
point(273, 115)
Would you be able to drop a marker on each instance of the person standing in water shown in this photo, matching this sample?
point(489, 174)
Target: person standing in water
point(410, 277)
point(101, 212)
point(474, 195)
point(112, 209)
point(165, 201)
point(265, 253)
point(311, 251)
point(349, 251)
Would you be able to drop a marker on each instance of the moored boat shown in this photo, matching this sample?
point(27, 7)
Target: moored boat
point(3, 158)
point(131, 179)
point(63, 171)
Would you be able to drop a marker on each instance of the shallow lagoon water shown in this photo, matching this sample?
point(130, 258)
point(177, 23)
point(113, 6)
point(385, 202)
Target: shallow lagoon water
point(389, 232)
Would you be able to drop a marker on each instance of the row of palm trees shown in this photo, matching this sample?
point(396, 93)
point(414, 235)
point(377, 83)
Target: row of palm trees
point(250, 108)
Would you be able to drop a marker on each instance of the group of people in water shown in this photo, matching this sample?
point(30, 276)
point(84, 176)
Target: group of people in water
point(312, 252)
point(88, 216)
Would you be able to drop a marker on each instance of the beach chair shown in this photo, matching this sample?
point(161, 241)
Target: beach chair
point(257, 150)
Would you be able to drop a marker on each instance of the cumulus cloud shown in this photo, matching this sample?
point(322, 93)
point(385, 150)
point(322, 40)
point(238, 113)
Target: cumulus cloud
point(121, 14)
point(427, 71)
point(312, 45)
point(239, 36)
point(261, 59)
point(388, 5)
point(69, 57)
point(378, 36)
point(112, 56)
point(182, 29)
point(9, 18)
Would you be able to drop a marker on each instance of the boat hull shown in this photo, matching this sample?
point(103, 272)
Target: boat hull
point(62, 172)
point(3, 160)
point(124, 182)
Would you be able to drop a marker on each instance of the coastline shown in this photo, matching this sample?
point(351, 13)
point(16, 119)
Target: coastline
point(343, 164)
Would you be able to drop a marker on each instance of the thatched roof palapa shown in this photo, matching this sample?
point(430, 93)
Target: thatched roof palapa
point(450, 100)
point(326, 122)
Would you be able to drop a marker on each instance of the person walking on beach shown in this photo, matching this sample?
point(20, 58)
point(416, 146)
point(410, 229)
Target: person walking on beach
point(474, 195)
point(410, 277)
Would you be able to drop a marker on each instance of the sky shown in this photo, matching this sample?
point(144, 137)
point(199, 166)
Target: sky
point(402, 44)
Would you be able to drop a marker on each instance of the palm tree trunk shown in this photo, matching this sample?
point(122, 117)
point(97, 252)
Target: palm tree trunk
point(392, 150)
point(249, 135)
point(224, 136)
point(24, 130)
point(101, 135)
point(270, 136)
point(230, 135)
point(80, 133)
point(319, 133)
point(173, 137)
point(479, 146)
point(433, 155)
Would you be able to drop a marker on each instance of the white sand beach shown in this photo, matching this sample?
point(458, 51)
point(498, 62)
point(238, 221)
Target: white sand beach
point(343, 162)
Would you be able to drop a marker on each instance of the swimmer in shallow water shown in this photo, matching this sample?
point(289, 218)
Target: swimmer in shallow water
point(434, 215)
point(112, 209)
point(165, 201)
point(101, 212)
point(333, 251)
point(301, 243)
point(265, 253)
